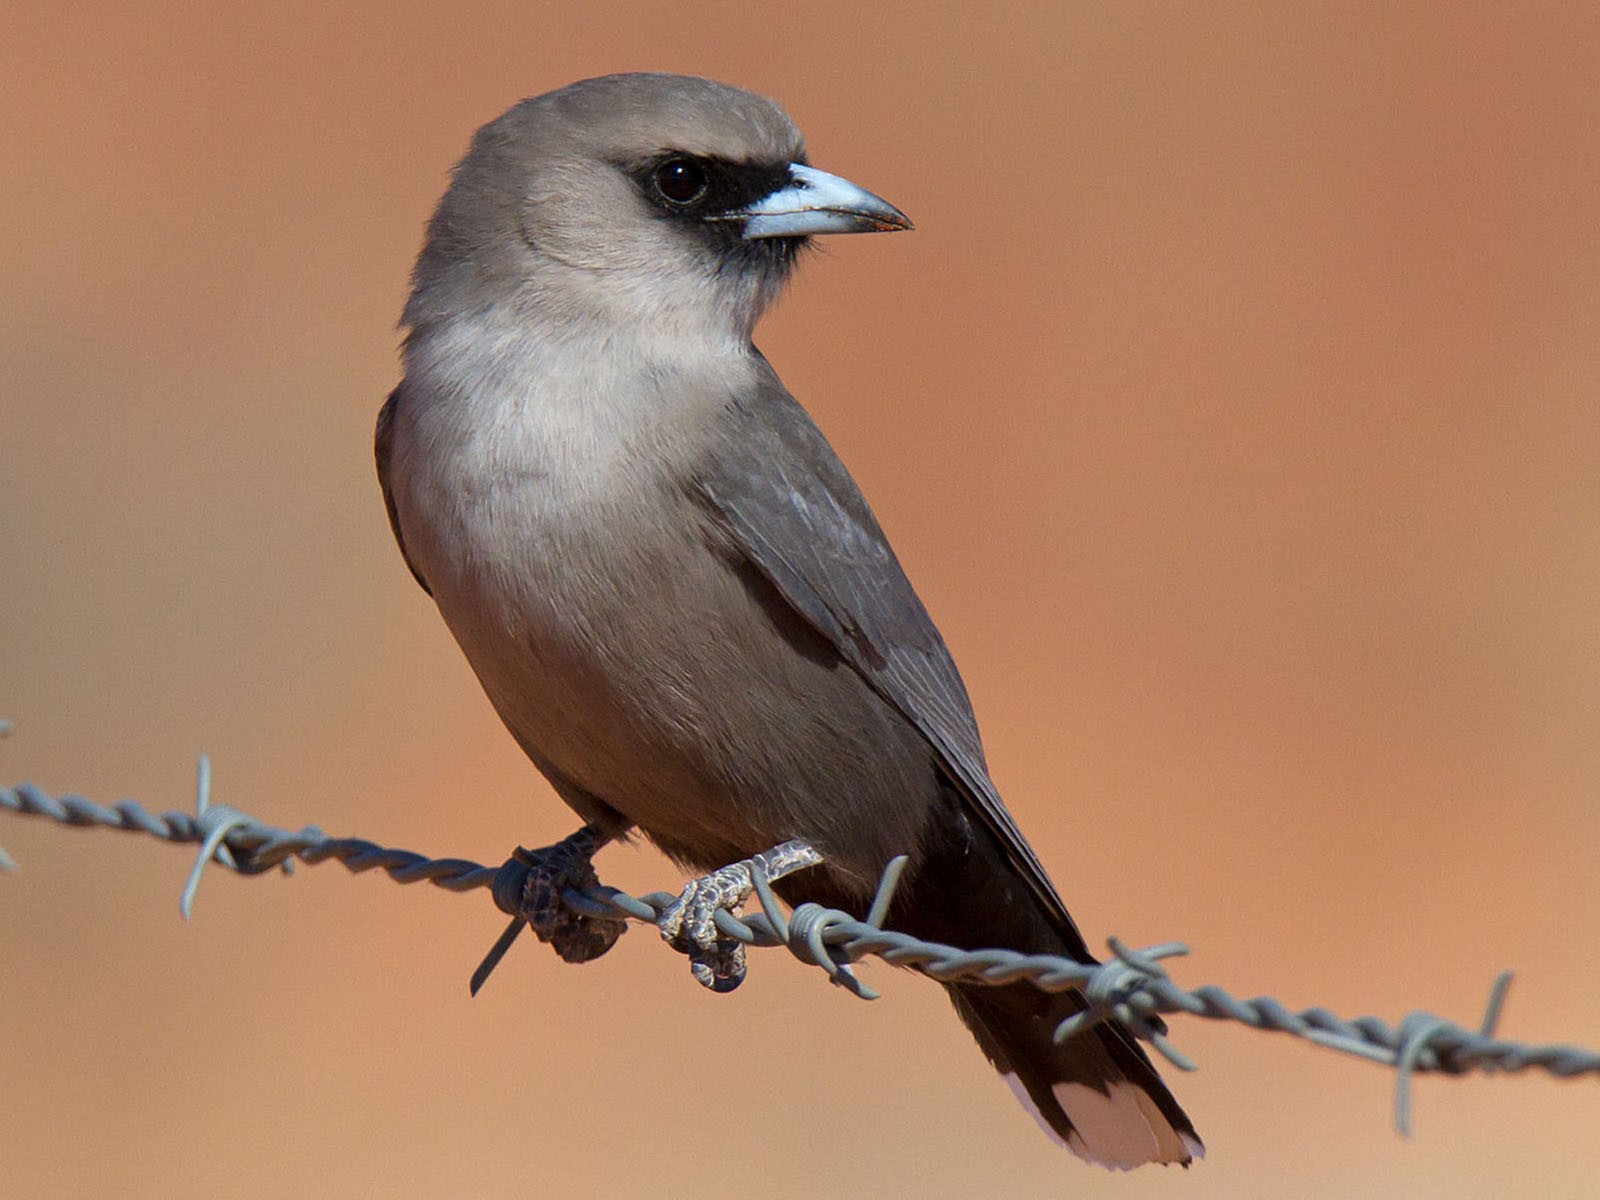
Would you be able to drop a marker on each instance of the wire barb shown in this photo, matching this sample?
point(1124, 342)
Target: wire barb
point(7, 863)
point(1132, 986)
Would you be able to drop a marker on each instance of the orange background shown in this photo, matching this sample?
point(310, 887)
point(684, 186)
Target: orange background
point(1234, 407)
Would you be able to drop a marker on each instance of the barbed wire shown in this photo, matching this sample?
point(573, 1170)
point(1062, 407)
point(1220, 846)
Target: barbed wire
point(1132, 986)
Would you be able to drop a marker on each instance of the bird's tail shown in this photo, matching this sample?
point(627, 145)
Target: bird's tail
point(1097, 1093)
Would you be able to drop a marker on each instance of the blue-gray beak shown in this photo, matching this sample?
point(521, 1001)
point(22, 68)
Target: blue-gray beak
point(816, 202)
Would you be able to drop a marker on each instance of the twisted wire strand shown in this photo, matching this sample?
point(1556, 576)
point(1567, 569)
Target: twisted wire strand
point(1132, 986)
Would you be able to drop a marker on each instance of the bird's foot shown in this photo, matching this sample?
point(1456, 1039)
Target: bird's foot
point(529, 887)
point(689, 923)
point(576, 937)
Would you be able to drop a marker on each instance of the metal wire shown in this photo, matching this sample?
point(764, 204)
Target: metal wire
point(1132, 986)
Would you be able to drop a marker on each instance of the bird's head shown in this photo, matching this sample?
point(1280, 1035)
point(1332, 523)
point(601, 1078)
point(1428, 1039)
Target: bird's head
point(646, 200)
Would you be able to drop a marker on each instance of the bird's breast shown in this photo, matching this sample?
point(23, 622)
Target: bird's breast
point(541, 495)
point(537, 481)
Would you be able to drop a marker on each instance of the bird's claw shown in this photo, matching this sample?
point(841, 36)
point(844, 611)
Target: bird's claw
point(689, 923)
point(576, 937)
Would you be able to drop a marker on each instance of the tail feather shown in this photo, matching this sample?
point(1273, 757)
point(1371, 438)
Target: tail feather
point(1097, 1094)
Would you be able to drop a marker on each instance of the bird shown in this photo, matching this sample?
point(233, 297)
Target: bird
point(671, 589)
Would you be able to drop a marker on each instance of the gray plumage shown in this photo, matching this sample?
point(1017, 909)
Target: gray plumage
point(671, 589)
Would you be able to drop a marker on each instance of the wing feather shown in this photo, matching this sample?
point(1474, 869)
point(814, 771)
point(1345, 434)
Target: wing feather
point(779, 492)
point(382, 445)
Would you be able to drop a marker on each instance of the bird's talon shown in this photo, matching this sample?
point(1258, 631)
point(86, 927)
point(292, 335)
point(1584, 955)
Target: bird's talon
point(575, 937)
point(721, 969)
point(689, 923)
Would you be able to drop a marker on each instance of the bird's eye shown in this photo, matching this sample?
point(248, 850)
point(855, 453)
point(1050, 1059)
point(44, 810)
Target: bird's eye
point(681, 180)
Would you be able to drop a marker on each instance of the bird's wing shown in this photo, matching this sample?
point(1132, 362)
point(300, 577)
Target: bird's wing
point(779, 492)
point(383, 440)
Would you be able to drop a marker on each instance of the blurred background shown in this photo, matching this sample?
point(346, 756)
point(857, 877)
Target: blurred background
point(1233, 408)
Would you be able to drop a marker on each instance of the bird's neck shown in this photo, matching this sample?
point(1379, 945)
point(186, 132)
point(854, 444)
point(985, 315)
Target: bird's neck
point(515, 345)
point(497, 371)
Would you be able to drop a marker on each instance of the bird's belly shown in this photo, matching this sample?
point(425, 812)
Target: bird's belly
point(631, 659)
